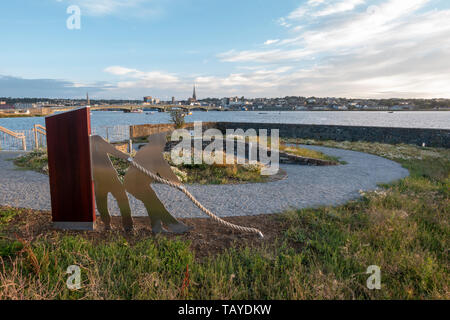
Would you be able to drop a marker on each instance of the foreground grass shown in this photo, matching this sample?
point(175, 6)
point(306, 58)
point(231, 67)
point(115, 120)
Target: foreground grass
point(320, 253)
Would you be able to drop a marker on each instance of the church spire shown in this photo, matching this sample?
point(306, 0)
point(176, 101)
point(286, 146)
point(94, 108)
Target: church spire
point(194, 95)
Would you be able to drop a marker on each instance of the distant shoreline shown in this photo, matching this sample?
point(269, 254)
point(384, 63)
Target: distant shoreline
point(3, 116)
point(7, 115)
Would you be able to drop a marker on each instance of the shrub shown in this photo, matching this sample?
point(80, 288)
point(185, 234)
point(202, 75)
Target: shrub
point(177, 118)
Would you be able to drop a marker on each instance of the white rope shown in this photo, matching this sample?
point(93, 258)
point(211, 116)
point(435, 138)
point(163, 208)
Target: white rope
point(180, 187)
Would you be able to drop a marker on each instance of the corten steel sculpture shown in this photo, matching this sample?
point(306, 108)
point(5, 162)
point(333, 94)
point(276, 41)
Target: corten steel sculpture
point(107, 181)
point(135, 182)
point(78, 160)
point(69, 163)
point(138, 184)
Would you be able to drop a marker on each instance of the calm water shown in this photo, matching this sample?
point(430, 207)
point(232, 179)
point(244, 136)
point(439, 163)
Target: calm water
point(425, 119)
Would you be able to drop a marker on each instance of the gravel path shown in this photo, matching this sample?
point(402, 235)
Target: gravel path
point(305, 187)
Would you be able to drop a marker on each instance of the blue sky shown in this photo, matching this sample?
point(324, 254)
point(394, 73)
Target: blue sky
point(252, 48)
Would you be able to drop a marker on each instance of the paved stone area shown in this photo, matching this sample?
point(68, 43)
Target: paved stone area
point(305, 187)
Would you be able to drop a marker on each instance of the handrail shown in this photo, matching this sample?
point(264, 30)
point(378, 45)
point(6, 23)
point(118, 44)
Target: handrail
point(38, 129)
point(17, 135)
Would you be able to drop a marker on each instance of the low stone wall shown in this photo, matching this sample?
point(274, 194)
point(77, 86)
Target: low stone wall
point(439, 138)
point(144, 130)
point(288, 158)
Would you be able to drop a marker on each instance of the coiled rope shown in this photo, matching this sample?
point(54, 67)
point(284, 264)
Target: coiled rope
point(180, 187)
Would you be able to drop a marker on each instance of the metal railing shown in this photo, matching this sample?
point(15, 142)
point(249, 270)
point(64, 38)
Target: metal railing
point(20, 139)
point(9, 139)
point(113, 133)
point(39, 134)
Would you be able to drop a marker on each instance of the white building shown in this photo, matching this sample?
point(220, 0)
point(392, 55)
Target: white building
point(25, 106)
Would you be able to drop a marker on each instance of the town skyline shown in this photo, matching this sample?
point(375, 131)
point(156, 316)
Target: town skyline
point(130, 49)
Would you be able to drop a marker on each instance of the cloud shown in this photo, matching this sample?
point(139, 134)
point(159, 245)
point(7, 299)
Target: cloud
point(347, 48)
point(147, 79)
point(264, 56)
point(392, 19)
point(255, 81)
point(269, 42)
point(52, 88)
point(317, 8)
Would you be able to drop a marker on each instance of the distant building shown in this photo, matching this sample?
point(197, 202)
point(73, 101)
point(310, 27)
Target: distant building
point(320, 108)
point(25, 106)
point(2, 102)
point(193, 101)
point(173, 100)
point(151, 100)
point(403, 107)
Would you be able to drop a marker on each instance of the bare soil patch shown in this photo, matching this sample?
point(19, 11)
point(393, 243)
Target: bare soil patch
point(207, 237)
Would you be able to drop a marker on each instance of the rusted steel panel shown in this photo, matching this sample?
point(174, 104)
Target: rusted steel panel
point(69, 162)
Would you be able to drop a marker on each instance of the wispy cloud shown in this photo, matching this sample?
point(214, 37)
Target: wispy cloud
point(269, 42)
point(354, 48)
point(321, 8)
point(143, 79)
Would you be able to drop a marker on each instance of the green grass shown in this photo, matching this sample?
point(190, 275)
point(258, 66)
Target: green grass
point(8, 247)
point(320, 253)
point(36, 160)
point(306, 153)
point(205, 174)
point(221, 174)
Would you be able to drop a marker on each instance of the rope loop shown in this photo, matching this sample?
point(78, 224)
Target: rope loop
point(183, 189)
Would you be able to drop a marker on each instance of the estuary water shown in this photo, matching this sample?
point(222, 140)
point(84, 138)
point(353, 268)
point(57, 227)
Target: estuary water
point(403, 119)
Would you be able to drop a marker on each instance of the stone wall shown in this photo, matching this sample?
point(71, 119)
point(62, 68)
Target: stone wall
point(142, 131)
point(439, 138)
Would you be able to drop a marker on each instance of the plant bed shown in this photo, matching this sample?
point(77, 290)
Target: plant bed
point(190, 174)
